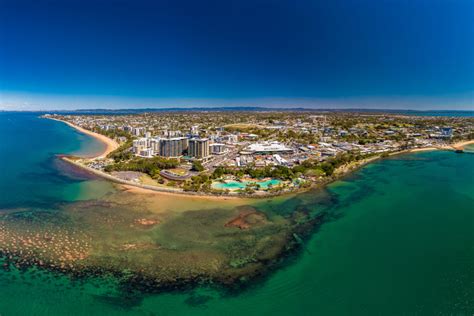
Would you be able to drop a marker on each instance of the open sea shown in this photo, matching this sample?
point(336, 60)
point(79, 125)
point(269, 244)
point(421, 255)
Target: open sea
point(400, 241)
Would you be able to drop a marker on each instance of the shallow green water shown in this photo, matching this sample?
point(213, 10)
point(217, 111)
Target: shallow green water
point(401, 242)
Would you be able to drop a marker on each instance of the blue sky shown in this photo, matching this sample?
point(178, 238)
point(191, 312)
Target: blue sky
point(355, 53)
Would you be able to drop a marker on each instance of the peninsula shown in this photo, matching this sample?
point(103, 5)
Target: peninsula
point(253, 154)
point(148, 242)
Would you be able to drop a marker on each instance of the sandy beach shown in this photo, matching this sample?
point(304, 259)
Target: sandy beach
point(147, 189)
point(455, 146)
point(181, 194)
point(110, 144)
point(460, 145)
point(131, 187)
point(128, 186)
point(422, 149)
point(340, 172)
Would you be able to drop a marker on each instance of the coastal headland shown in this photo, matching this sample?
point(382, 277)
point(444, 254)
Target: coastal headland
point(157, 242)
point(135, 186)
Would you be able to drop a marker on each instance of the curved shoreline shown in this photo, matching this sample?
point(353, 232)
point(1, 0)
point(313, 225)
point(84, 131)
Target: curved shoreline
point(462, 144)
point(341, 172)
point(110, 144)
point(285, 260)
point(133, 187)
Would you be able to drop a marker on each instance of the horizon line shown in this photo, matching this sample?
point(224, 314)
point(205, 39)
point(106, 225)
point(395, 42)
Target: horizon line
point(237, 108)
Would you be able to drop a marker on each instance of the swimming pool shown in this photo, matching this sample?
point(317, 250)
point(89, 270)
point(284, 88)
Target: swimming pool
point(235, 185)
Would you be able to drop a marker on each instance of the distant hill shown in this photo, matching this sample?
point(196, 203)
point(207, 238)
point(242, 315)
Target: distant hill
point(459, 113)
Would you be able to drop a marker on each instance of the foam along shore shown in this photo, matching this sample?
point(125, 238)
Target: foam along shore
point(110, 144)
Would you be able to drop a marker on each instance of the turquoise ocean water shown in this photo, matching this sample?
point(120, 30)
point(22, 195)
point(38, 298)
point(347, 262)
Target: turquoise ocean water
point(31, 174)
point(400, 242)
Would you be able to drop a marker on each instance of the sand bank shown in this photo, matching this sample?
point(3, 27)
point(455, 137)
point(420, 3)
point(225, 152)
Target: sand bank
point(110, 144)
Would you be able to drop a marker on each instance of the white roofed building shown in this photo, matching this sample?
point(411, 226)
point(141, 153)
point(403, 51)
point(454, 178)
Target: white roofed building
point(269, 148)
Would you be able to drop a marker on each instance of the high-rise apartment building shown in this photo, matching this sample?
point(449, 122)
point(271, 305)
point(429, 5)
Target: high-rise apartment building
point(198, 147)
point(173, 147)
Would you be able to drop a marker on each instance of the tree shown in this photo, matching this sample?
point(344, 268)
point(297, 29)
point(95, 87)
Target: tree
point(328, 168)
point(218, 172)
point(150, 166)
point(122, 153)
point(197, 166)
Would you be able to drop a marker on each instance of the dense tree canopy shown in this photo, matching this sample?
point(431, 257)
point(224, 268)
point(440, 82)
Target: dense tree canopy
point(150, 166)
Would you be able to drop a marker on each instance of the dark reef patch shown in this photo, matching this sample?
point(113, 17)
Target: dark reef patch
point(231, 248)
